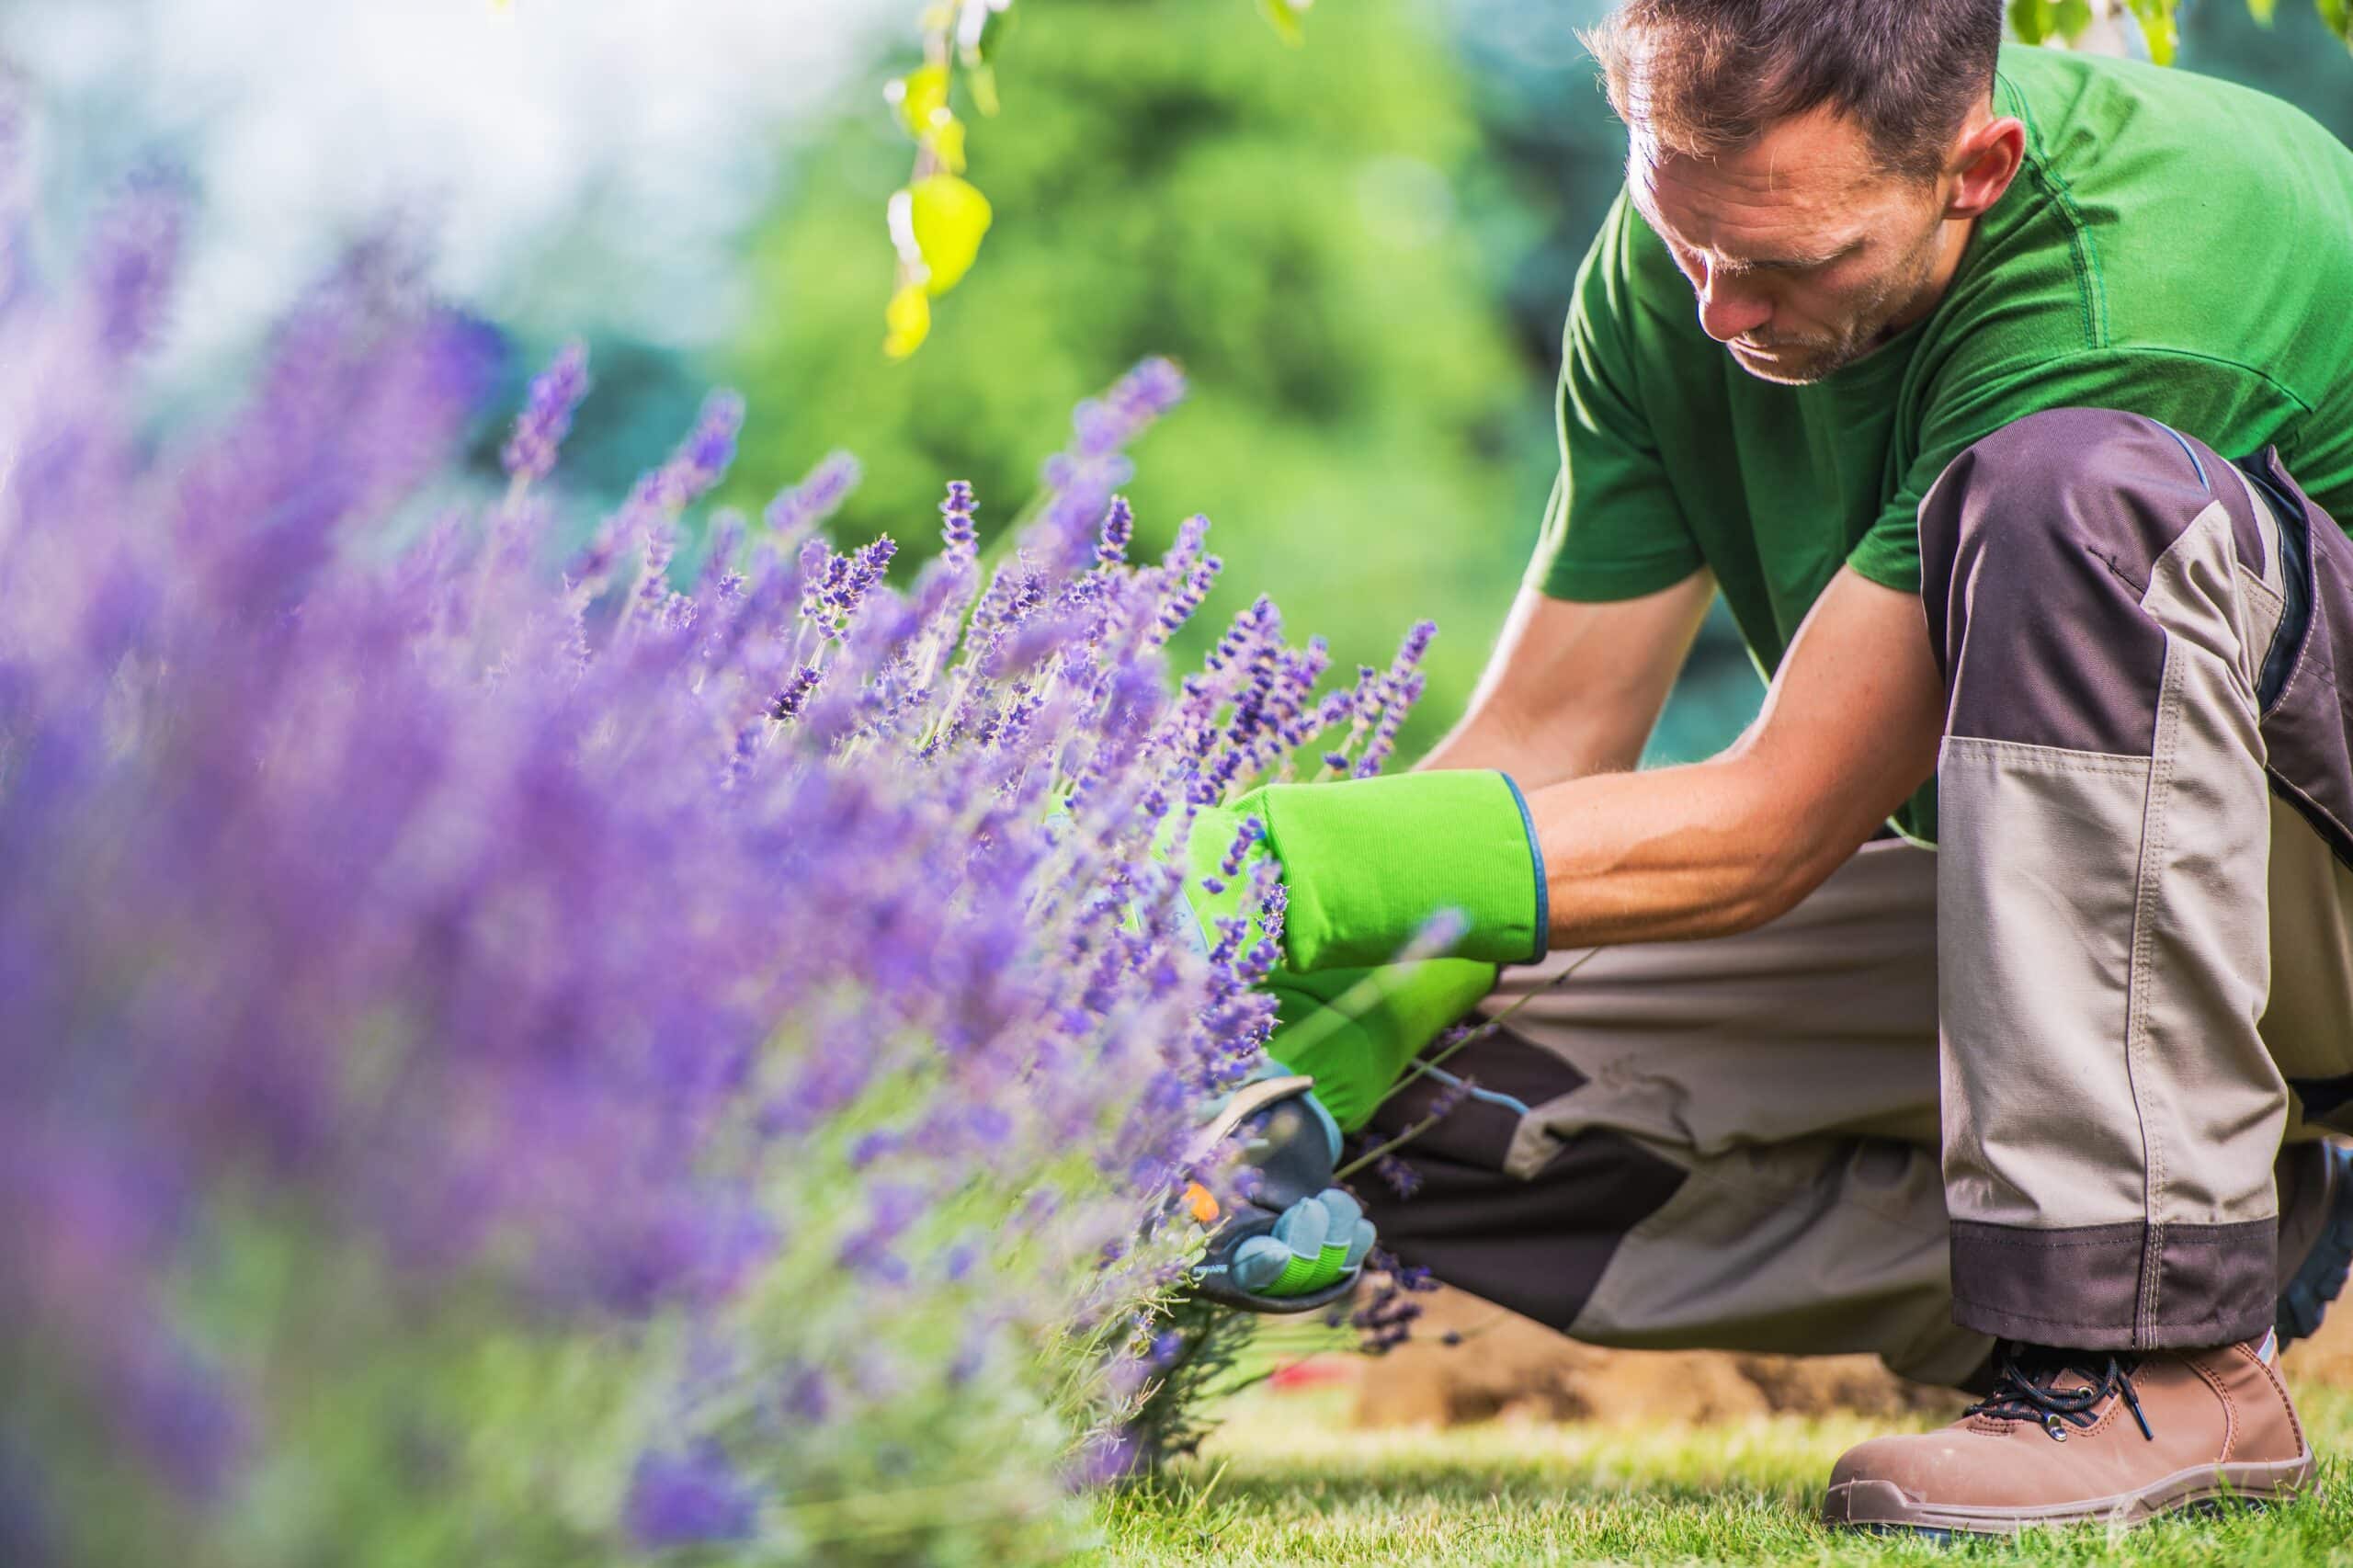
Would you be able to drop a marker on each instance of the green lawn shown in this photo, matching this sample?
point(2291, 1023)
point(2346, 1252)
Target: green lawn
point(1287, 1482)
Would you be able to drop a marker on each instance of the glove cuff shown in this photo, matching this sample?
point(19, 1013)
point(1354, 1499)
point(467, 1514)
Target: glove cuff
point(1369, 863)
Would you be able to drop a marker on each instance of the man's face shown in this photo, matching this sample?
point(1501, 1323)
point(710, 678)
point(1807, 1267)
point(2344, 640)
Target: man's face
point(1804, 253)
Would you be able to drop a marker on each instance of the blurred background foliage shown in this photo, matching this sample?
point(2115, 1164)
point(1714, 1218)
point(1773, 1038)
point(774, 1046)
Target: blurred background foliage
point(1313, 233)
point(1360, 249)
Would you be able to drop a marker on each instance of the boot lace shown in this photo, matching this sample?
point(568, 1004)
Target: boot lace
point(2025, 1379)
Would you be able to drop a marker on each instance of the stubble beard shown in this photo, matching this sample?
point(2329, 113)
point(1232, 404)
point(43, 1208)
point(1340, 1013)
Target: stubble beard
point(1872, 328)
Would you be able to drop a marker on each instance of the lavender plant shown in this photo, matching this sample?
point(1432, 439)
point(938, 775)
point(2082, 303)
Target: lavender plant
point(518, 1058)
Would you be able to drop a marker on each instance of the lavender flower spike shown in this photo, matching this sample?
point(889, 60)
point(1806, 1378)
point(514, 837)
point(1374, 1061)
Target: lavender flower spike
point(702, 458)
point(1438, 937)
point(689, 1500)
point(957, 531)
point(546, 418)
point(1119, 528)
point(799, 508)
point(1398, 690)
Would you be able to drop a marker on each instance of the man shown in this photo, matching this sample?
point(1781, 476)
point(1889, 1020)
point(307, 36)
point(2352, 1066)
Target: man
point(2010, 421)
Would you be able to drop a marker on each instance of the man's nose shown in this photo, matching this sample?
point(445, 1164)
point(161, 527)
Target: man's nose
point(1728, 309)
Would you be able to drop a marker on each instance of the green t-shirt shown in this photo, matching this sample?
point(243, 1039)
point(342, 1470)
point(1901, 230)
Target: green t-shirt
point(2175, 246)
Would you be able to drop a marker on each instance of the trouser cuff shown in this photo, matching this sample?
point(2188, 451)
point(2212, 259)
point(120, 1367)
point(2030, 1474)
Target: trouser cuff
point(2126, 1286)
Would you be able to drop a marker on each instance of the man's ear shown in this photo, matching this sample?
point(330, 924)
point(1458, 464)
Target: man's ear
point(1983, 162)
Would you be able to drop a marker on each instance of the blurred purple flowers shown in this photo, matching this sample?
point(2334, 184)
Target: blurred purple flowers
point(689, 1500)
point(405, 948)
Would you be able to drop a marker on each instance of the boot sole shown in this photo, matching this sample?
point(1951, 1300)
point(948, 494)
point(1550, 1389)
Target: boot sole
point(1884, 1508)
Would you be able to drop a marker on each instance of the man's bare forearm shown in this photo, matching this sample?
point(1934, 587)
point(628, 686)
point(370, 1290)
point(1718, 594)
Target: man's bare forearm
point(1849, 730)
point(1676, 853)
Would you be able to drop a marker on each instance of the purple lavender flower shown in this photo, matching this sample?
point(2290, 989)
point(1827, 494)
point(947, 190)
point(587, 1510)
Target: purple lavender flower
point(809, 1395)
point(690, 1499)
point(183, 1416)
point(1435, 938)
point(892, 1207)
point(866, 570)
point(1403, 694)
point(1453, 1092)
point(1385, 1319)
point(1119, 528)
point(1253, 831)
point(1401, 1178)
point(1398, 690)
point(519, 961)
point(136, 261)
point(800, 508)
point(702, 458)
point(957, 531)
point(546, 419)
point(872, 1146)
point(1081, 479)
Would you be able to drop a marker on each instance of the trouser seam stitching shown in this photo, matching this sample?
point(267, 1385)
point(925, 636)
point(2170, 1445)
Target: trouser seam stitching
point(2153, 838)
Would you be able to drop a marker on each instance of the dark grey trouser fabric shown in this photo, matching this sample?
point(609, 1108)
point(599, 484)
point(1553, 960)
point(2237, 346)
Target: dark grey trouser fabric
point(2032, 1087)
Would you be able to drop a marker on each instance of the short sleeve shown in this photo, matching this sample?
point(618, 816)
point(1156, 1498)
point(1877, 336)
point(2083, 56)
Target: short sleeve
point(2234, 408)
point(1612, 529)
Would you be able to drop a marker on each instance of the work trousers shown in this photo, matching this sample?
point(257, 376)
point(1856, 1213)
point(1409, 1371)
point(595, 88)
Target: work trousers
point(2049, 1081)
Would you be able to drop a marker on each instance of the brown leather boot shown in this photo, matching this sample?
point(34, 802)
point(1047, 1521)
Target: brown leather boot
point(2074, 1437)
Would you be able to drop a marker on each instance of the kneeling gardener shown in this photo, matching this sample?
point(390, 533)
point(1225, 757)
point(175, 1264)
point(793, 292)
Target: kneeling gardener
point(1986, 1005)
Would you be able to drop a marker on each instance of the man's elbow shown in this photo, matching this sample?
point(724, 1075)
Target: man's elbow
point(1787, 855)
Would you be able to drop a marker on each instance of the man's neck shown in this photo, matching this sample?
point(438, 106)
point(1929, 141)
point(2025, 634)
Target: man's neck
point(1951, 244)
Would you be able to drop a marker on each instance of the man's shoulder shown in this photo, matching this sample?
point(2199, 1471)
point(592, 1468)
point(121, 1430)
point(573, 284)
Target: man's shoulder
point(2160, 213)
point(2095, 120)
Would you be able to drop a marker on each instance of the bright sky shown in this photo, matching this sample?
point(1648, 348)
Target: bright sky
point(589, 161)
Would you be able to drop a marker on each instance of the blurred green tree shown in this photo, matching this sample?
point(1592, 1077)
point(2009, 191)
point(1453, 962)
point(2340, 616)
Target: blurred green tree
point(1288, 224)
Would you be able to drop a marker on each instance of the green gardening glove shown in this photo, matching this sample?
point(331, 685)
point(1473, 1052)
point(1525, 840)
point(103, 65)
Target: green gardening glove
point(1356, 1031)
point(1366, 867)
point(1370, 863)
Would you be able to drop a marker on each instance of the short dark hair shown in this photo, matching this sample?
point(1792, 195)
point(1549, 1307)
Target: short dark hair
point(1702, 77)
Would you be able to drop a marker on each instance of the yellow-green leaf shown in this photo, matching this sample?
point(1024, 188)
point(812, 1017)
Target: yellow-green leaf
point(920, 97)
point(2031, 20)
point(982, 81)
point(906, 321)
point(948, 217)
point(2070, 18)
point(1283, 19)
point(2157, 26)
point(2262, 10)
